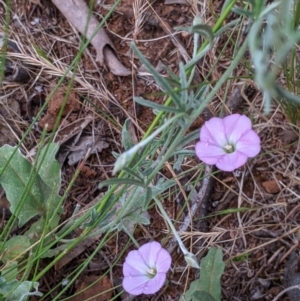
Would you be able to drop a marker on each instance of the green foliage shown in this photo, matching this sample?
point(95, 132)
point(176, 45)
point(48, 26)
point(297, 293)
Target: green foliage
point(240, 258)
point(15, 247)
point(37, 228)
point(271, 38)
point(48, 167)
point(10, 272)
point(203, 296)
point(208, 287)
point(126, 137)
point(30, 192)
point(18, 291)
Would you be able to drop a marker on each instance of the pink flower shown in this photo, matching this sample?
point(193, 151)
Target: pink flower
point(227, 142)
point(145, 269)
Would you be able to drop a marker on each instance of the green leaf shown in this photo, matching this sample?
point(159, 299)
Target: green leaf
point(159, 79)
point(120, 181)
point(21, 183)
point(133, 174)
point(37, 228)
point(212, 268)
point(14, 247)
point(10, 272)
point(155, 106)
point(178, 162)
point(148, 198)
point(137, 219)
point(201, 29)
point(126, 137)
point(184, 84)
point(50, 170)
point(203, 296)
point(162, 185)
point(18, 291)
point(188, 296)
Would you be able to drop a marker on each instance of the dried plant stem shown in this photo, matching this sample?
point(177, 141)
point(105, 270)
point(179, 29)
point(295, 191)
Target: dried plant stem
point(286, 290)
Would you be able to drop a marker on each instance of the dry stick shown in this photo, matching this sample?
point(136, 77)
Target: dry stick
point(78, 14)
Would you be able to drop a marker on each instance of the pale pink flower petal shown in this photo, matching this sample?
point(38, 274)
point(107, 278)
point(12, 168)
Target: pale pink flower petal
point(135, 285)
point(209, 153)
point(212, 132)
point(235, 126)
point(249, 144)
point(135, 260)
point(149, 252)
point(134, 270)
point(145, 269)
point(155, 284)
point(231, 161)
point(164, 262)
point(227, 142)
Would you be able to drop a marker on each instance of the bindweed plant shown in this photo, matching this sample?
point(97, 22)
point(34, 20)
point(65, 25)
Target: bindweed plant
point(32, 187)
point(228, 142)
point(32, 190)
point(272, 38)
point(145, 269)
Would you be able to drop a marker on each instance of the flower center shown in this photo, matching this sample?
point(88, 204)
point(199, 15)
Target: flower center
point(151, 273)
point(229, 148)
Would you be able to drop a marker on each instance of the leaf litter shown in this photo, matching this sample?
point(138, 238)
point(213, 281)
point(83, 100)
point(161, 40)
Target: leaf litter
point(266, 253)
point(78, 14)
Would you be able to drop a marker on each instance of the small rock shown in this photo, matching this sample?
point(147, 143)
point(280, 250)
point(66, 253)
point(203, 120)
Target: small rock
point(271, 186)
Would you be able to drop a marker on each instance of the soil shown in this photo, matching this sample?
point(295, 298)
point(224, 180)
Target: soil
point(256, 243)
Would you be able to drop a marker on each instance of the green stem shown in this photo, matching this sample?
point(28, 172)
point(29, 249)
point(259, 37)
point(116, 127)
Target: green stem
point(217, 26)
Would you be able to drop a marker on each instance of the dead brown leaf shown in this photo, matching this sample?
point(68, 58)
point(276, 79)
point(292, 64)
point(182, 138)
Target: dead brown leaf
point(77, 13)
point(100, 291)
point(72, 104)
point(78, 151)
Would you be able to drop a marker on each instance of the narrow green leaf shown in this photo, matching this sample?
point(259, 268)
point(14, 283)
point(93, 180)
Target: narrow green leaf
point(212, 268)
point(159, 79)
point(132, 174)
point(188, 139)
point(148, 198)
point(174, 78)
point(184, 85)
point(126, 137)
point(162, 186)
point(120, 181)
point(50, 170)
point(287, 95)
point(185, 153)
point(201, 29)
point(203, 296)
point(177, 164)
point(155, 106)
